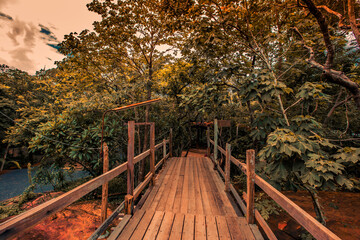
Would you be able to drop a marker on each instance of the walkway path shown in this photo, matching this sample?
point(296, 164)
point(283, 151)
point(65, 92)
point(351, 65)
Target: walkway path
point(188, 201)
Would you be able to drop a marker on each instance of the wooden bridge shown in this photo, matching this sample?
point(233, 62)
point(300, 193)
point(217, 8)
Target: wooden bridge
point(186, 199)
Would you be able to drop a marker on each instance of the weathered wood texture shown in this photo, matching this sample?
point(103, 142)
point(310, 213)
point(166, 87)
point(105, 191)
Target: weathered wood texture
point(105, 186)
point(130, 157)
point(227, 167)
point(216, 138)
point(250, 182)
point(188, 201)
point(152, 152)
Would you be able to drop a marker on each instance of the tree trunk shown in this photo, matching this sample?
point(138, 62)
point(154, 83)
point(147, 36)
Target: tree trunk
point(317, 207)
point(4, 159)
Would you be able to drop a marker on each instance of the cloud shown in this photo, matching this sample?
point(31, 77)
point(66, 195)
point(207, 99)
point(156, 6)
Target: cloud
point(22, 31)
point(5, 16)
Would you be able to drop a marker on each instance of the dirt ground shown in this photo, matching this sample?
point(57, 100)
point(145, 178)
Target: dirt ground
point(341, 210)
point(78, 221)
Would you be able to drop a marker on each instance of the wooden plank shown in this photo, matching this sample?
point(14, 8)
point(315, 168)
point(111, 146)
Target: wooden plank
point(263, 224)
point(159, 145)
point(223, 229)
point(178, 196)
point(316, 229)
point(177, 227)
point(235, 231)
point(28, 219)
point(159, 194)
point(220, 189)
point(163, 178)
point(169, 203)
point(107, 222)
point(142, 226)
point(211, 228)
point(141, 156)
point(239, 164)
point(189, 227)
point(171, 143)
point(152, 151)
point(250, 182)
point(204, 195)
point(154, 226)
point(215, 199)
point(238, 198)
point(200, 227)
point(105, 186)
point(142, 186)
point(216, 136)
point(118, 229)
point(221, 150)
point(227, 167)
point(207, 187)
point(132, 224)
point(255, 231)
point(199, 208)
point(164, 149)
point(192, 183)
point(245, 228)
point(165, 228)
point(224, 123)
point(170, 189)
point(185, 192)
point(130, 158)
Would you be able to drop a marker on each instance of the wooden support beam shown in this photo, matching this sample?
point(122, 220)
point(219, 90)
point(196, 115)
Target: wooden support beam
point(250, 164)
point(105, 186)
point(208, 150)
point(171, 142)
point(216, 136)
point(130, 158)
point(227, 167)
point(164, 150)
point(152, 152)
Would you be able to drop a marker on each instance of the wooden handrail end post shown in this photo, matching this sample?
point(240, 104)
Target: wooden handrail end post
point(129, 204)
point(170, 143)
point(164, 150)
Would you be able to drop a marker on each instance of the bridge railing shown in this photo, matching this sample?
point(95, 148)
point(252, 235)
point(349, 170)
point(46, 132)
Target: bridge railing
point(315, 228)
point(20, 223)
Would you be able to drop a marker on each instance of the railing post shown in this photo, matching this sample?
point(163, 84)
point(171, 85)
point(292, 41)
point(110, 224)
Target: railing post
point(105, 186)
point(170, 142)
point(227, 167)
point(130, 168)
point(216, 132)
point(250, 172)
point(208, 151)
point(164, 150)
point(152, 152)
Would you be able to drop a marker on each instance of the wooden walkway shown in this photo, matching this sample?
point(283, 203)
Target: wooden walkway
point(188, 201)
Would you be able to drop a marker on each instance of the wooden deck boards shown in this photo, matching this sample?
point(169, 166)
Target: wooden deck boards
point(188, 202)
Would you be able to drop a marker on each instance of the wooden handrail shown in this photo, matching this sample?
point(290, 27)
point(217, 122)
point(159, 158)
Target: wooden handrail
point(19, 223)
point(315, 228)
point(29, 218)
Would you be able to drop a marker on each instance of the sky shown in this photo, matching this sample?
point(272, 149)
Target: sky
point(31, 29)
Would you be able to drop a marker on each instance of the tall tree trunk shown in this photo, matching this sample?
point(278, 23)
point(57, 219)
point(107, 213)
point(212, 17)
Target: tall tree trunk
point(147, 129)
point(4, 159)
